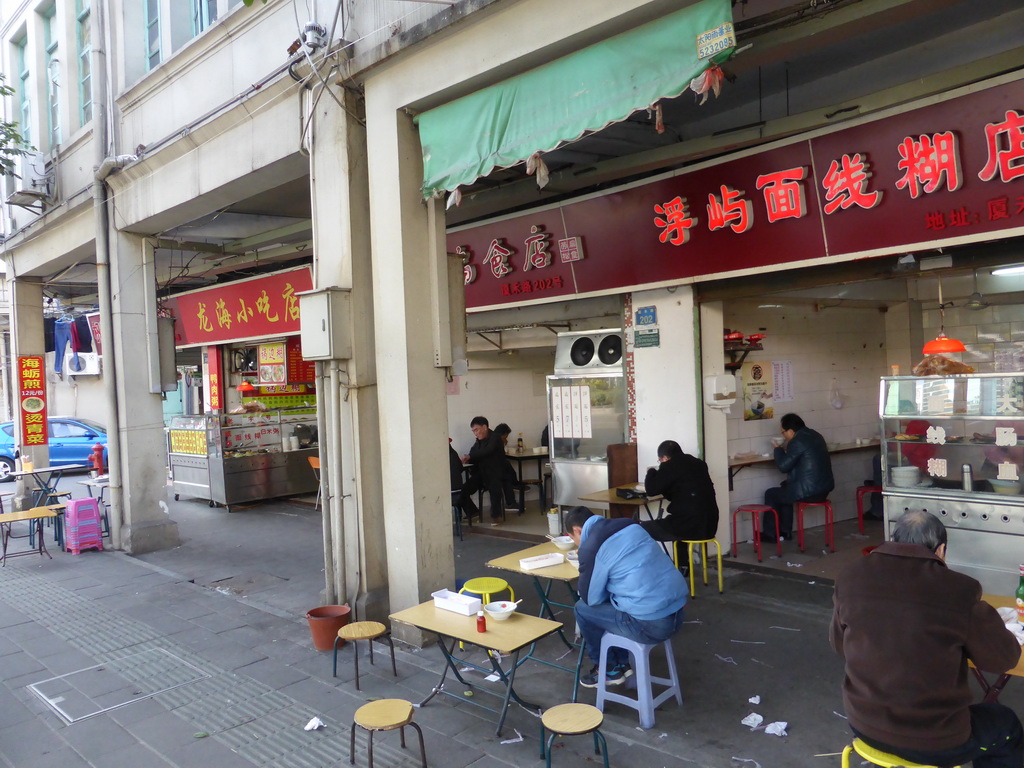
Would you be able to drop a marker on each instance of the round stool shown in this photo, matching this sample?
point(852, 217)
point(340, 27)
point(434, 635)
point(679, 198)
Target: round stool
point(860, 502)
point(704, 559)
point(363, 630)
point(384, 715)
point(830, 534)
point(878, 757)
point(755, 510)
point(485, 586)
point(572, 720)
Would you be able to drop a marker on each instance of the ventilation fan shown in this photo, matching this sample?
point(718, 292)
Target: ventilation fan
point(245, 360)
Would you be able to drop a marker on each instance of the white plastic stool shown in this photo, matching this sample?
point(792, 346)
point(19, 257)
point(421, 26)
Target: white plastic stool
point(645, 703)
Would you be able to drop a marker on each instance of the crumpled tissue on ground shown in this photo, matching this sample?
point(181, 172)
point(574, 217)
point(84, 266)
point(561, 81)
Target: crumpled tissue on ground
point(754, 699)
point(752, 720)
point(777, 728)
point(315, 724)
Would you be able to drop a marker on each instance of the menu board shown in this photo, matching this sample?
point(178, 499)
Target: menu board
point(299, 370)
point(570, 412)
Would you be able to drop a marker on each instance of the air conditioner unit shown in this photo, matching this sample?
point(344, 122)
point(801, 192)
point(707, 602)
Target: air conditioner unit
point(88, 364)
point(589, 352)
point(32, 188)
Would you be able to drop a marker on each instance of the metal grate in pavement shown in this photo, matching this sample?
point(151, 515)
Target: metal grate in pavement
point(115, 683)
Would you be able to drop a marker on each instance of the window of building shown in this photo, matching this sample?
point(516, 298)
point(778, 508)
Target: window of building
point(83, 35)
point(51, 38)
point(152, 33)
point(24, 97)
point(204, 13)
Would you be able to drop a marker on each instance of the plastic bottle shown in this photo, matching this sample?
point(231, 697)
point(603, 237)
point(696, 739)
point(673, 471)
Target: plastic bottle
point(519, 443)
point(1020, 596)
point(481, 622)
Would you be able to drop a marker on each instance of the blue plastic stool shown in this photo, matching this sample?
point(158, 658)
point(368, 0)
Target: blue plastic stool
point(645, 703)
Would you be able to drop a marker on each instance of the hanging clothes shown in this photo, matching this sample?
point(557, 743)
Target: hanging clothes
point(84, 334)
point(48, 325)
point(61, 340)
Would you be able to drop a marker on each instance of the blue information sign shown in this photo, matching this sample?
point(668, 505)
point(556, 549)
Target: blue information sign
point(646, 316)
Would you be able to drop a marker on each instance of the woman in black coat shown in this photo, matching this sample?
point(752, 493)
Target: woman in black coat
point(683, 480)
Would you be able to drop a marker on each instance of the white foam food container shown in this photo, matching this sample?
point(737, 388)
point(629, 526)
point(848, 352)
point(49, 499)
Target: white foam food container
point(467, 605)
point(541, 561)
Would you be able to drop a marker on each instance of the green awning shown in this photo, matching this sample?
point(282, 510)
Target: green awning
point(538, 110)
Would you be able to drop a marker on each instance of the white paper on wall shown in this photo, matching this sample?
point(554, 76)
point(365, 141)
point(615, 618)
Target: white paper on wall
point(782, 373)
point(586, 430)
point(557, 412)
point(577, 415)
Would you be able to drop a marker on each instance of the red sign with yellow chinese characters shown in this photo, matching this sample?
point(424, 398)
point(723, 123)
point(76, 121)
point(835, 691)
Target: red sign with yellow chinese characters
point(32, 397)
point(214, 384)
point(944, 173)
point(240, 311)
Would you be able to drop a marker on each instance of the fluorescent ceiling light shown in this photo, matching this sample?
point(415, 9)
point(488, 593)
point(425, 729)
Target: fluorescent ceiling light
point(1014, 270)
point(769, 306)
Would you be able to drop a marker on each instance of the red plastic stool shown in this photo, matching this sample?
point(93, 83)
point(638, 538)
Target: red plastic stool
point(755, 511)
point(830, 534)
point(860, 502)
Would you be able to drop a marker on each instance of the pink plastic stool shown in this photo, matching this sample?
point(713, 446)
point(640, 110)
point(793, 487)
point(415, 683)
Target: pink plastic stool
point(755, 511)
point(860, 502)
point(830, 534)
point(82, 526)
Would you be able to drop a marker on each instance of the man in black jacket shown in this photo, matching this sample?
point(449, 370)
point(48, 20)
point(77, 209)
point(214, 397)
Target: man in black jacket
point(804, 457)
point(907, 626)
point(488, 459)
point(683, 480)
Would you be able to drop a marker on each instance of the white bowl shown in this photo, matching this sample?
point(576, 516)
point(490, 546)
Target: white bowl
point(500, 610)
point(906, 477)
point(564, 543)
point(1006, 487)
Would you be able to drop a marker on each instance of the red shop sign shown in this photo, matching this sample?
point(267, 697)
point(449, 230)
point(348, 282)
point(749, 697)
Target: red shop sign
point(32, 399)
point(945, 173)
point(242, 310)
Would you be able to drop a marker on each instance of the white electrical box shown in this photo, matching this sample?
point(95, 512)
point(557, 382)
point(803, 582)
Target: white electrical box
point(326, 324)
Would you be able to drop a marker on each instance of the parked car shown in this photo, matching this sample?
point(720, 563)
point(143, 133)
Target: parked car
point(71, 442)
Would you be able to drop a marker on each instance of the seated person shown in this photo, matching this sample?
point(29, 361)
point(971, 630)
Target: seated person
point(683, 480)
point(627, 586)
point(906, 626)
point(509, 479)
point(454, 467)
point(487, 455)
point(804, 457)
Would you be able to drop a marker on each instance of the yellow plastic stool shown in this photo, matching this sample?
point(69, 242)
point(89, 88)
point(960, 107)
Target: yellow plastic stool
point(878, 757)
point(704, 559)
point(485, 586)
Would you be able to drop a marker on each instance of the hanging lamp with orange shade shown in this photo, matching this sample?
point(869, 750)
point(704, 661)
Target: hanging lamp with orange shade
point(942, 344)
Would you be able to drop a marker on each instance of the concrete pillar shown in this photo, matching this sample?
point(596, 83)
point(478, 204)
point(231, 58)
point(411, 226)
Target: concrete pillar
point(147, 526)
point(413, 411)
point(26, 339)
point(348, 393)
point(716, 439)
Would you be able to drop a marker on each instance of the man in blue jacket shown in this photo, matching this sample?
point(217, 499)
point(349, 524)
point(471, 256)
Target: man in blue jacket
point(804, 456)
point(628, 586)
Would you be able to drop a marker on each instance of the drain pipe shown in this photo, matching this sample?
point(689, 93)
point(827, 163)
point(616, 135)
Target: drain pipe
point(104, 167)
point(330, 589)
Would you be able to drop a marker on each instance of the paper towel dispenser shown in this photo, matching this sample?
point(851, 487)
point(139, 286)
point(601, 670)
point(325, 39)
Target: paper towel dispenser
point(720, 390)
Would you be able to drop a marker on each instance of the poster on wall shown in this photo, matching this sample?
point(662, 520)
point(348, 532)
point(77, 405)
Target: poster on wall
point(272, 363)
point(758, 391)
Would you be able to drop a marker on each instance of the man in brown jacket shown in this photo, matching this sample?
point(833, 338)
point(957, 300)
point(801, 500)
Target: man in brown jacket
point(906, 625)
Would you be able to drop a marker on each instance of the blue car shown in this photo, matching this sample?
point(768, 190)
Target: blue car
point(71, 442)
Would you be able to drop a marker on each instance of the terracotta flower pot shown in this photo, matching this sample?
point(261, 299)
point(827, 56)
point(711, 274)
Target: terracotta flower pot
point(324, 623)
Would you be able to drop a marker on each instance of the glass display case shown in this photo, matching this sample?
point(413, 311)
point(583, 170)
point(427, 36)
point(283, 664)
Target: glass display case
point(953, 446)
point(235, 458)
point(960, 433)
